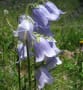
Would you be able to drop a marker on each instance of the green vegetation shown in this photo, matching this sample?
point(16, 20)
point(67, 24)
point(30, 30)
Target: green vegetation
point(67, 31)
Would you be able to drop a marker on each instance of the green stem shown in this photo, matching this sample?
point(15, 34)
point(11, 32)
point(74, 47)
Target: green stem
point(29, 68)
point(19, 78)
point(34, 74)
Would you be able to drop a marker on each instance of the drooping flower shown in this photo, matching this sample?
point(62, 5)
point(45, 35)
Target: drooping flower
point(43, 49)
point(52, 8)
point(42, 14)
point(51, 62)
point(44, 30)
point(39, 16)
point(43, 77)
point(25, 28)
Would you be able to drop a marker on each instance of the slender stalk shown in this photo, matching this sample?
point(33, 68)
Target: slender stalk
point(19, 78)
point(24, 87)
point(29, 68)
point(34, 74)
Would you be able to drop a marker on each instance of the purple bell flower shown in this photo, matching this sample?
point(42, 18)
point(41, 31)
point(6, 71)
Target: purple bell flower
point(42, 15)
point(44, 30)
point(52, 8)
point(39, 16)
point(43, 49)
point(51, 62)
point(43, 77)
point(25, 28)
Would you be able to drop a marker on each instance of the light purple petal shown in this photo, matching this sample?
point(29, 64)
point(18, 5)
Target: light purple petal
point(38, 52)
point(43, 49)
point(52, 8)
point(47, 14)
point(24, 30)
point(51, 62)
point(43, 77)
point(22, 51)
point(44, 30)
point(39, 16)
point(53, 45)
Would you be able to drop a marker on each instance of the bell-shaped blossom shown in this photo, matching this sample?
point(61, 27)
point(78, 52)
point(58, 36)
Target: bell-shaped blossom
point(51, 62)
point(42, 15)
point(44, 30)
point(39, 16)
point(43, 77)
point(25, 28)
point(53, 45)
point(52, 8)
point(42, 49)
point(22, 51)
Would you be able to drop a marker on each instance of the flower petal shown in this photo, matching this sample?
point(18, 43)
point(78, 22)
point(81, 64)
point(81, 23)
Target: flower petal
point(52, 8)
point(44, 30)
point(25, 29)
point(58, 61)
point(22, 51)
point(43, 49)
point(38, 53)
point(43, 77)
point(39, 16)
point(51, 62)
point(53, 45)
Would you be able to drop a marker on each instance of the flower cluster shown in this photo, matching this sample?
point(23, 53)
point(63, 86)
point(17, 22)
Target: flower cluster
point(36, 30)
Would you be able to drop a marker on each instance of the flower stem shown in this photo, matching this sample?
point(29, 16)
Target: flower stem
point(19, 78)
point(29, 68)
point(34, 74)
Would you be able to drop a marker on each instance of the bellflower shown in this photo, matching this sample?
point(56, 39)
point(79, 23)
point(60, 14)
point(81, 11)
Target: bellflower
point(51, 62)
point(25, 28)
point(43, 77)
point(52, 8)
point(45, 30)
point(42, 15)
point(42, 49)
point(39, 16)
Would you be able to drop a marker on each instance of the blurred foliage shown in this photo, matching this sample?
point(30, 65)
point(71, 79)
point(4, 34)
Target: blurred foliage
point(67, 31)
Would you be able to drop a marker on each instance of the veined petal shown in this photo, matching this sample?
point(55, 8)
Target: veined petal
point(48, 51)
point(25, 29)
point(44, 30)
point(51, 62)
point(39, 16)
point(26, 25)
point(43, 77)
point(38, 53)
point(22, 51)
point(42, 49)
point(53, 45)
point(52, 8)
point(50, 16)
